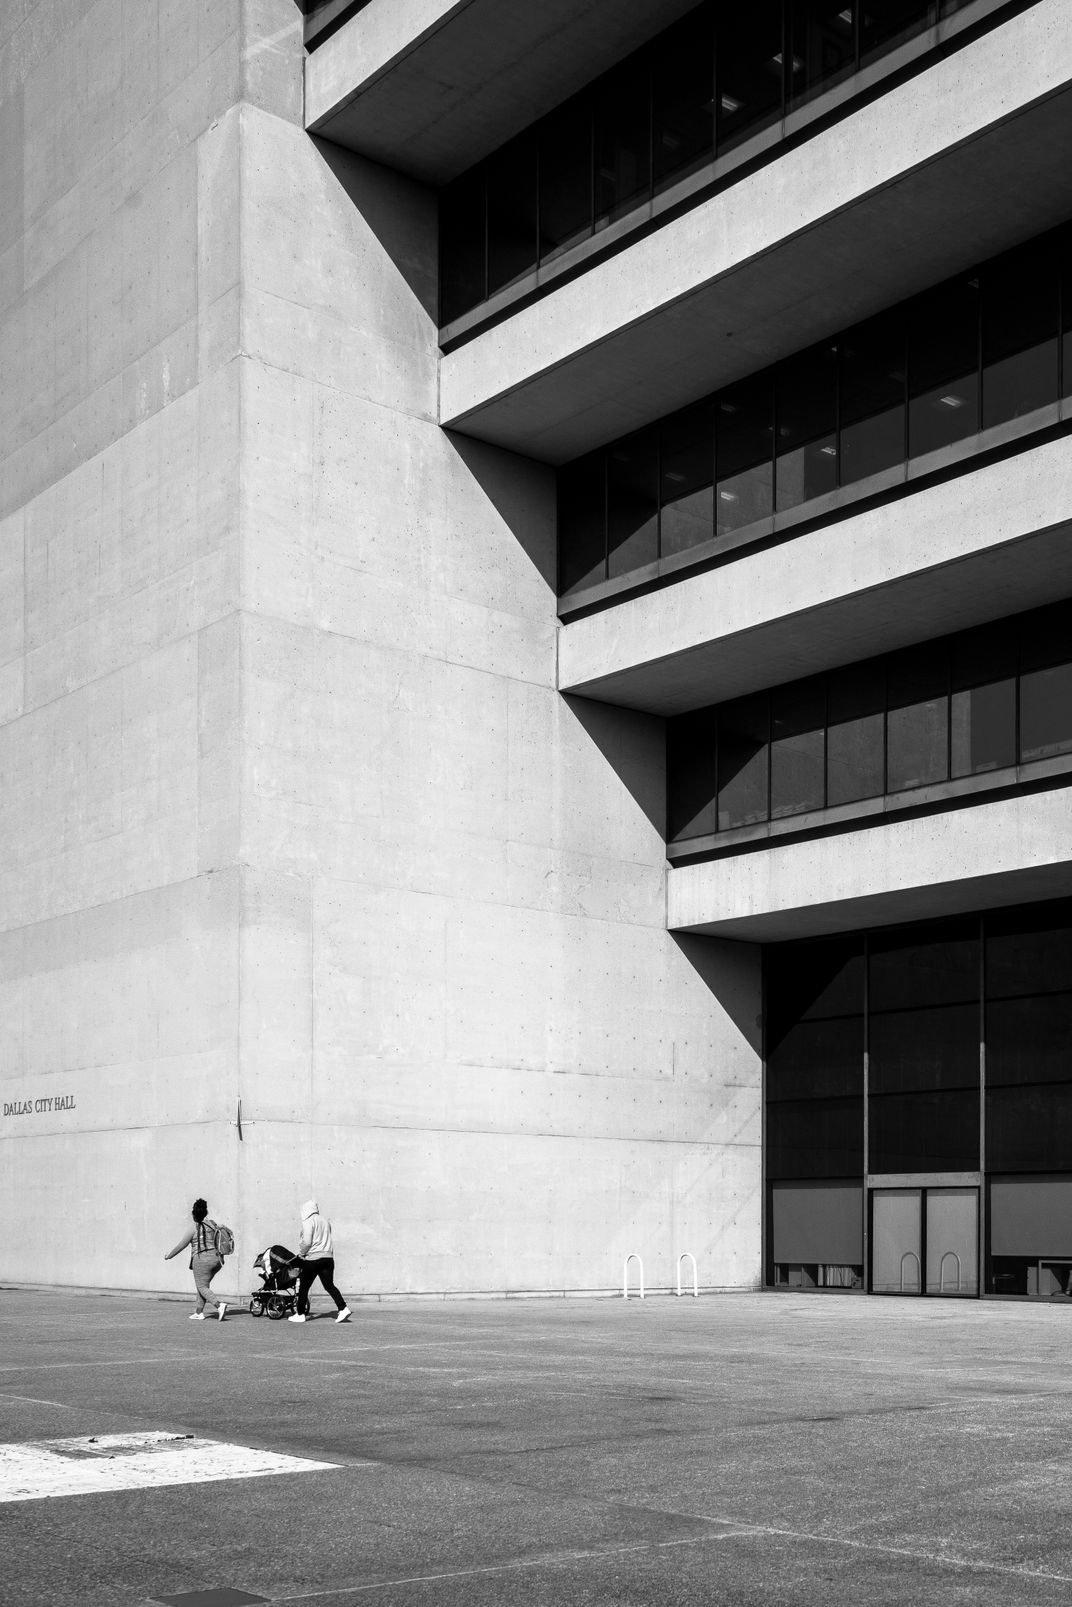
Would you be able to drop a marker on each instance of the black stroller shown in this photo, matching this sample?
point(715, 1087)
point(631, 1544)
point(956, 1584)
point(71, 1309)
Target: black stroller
point(277, 1294)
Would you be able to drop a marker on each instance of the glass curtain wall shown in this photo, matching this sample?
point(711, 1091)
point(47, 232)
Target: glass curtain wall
point(989, 348)
point(957, 1028)
point(716, 78)
point(973, 704)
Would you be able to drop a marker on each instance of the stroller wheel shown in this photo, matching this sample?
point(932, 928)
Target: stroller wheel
point(256, 1306)
point(277, 1307)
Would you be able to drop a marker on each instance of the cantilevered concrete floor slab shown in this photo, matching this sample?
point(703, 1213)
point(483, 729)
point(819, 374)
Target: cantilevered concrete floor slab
point(735, 1451)
point(1009, 851)
point(970, 156)
point(430, 86)
point(990, 542)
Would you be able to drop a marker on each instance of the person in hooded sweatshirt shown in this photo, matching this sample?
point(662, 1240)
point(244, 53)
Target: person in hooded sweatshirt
point(316, 1259)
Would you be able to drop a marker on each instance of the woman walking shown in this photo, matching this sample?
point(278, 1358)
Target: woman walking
point(205, 1260)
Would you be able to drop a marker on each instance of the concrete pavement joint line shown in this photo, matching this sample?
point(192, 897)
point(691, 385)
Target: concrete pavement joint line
point(32, 1400)
point(556, 1559)
point(978, 1564)
point(200, 1359)
point(735, 1530)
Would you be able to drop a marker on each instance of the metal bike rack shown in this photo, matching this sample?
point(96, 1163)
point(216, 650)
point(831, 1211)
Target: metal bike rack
point(941, 1271)
point(919, 1270)
point(632, 1256)
point(687, 1255)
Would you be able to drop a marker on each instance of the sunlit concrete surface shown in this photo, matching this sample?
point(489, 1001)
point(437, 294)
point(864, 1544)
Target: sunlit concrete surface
point(1002, 852)
point(101, 1464)
point(310, 882)
point(745, 1449)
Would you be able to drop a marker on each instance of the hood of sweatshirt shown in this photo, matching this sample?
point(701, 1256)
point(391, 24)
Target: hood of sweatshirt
point(310, 1208)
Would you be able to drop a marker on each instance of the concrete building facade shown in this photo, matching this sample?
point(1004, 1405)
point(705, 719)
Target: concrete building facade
point(336, 713)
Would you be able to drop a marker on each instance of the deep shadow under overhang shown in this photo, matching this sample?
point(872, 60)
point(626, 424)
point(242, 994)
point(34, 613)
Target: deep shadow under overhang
point(967, 203)
point(430, 86)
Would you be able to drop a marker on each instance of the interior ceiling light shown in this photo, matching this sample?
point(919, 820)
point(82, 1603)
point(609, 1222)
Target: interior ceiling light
point(728, 496)
point(729, 103)
point(672, 474)
point(829, 451)
point(845, 16)
point(727, 407)
point(951, 401)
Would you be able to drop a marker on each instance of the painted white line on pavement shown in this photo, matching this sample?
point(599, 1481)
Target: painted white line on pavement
point(36, 1470)
point(555, 1559)
point(742, 1531)
point(33, 1400)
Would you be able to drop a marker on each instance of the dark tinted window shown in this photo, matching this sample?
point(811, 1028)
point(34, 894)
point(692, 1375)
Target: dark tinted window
point(686, 491)
point(565, 178)
point(821, 47)
point(814, 1058)
point(748, 63)
point(683, 99)
point(806, 419)
point(742, 762)
point(925, 1132)
point(691, 774)
point(1020, 330)
point(744, 436)
point(917, 719)
point(1029, 1039)
point(886, 23)
point(855, 751)
point(872, 398)
point(982, 711)
point(815, 1138)
point(622, 144)
point(798, 720)
point(582, 532)
point(1046, 686)
point(512, 242)
point(462, 277)
point(923, 1048)
point(943, 366)
point(633, 502)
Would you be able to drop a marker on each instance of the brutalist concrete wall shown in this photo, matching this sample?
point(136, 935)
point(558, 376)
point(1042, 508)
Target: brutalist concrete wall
point(296, 821)
point(465, 1027)
point(119, 756)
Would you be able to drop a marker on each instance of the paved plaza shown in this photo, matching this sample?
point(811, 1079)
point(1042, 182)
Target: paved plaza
point(738, 1449)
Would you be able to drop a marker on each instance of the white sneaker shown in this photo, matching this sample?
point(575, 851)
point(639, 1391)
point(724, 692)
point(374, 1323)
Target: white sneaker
point(220, 1309)
point(344, 1315)
point(296, 1318)
point(197, 1316)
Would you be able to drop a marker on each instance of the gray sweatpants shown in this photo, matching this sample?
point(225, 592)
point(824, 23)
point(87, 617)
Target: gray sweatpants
point(205, 1268)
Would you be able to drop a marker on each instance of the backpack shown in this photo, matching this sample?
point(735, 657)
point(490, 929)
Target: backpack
point(221, 1238)
point(224, 1240)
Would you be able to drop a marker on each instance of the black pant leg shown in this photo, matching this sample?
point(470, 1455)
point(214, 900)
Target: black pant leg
point(306, 1273)
point(326, 1268)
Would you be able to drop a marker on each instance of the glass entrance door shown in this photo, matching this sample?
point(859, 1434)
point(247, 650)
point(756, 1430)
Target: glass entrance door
point(925, 1241)
point(952, 1260)
point(896, 1241)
